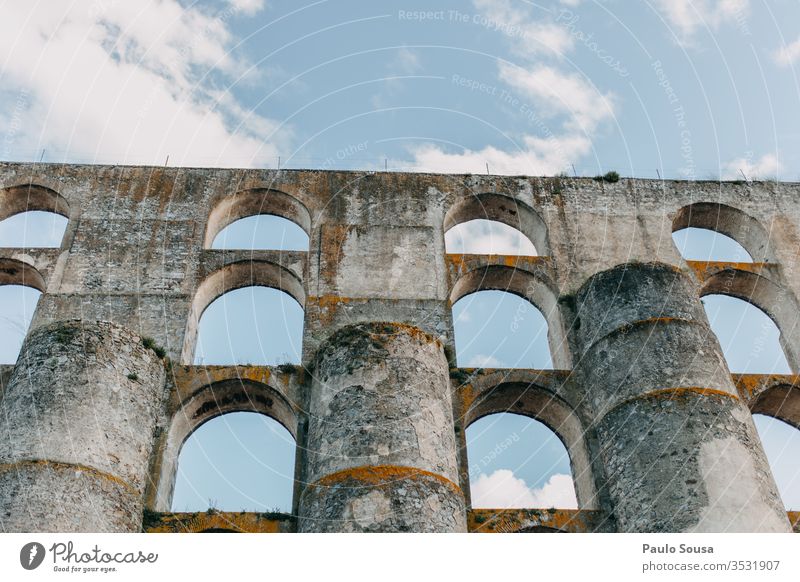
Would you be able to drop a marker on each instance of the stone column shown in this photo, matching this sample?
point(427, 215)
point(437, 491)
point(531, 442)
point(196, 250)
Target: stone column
point(381, 452)
point(76, 430)
point(679, 447)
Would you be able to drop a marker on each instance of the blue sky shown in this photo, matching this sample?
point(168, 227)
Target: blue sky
point(695, 88)
point(677, 88)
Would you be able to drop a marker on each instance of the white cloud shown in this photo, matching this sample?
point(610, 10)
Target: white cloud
point(565, 108)
point(502, 490)
point(555, 92)
point(128, 82)
point(527, 35)
point(487, 237)
point(483, 361)
point(690, 16)
point(788, 54)
point(247, 7)
point(765, 167)
point(534, 156)
point(406, 61)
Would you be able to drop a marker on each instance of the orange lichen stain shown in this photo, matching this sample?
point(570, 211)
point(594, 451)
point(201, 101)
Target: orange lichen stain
point(413, 331)
point(468, 396)
point(794, 519)
point(328, 305)
point(377, 475)
point(458, 261)
point(245, 522)
point(705, 269)
point(750, 385)
point(467, 262)
point(190, 379)
point(333, 237)
point(382, 329)
point(59, 466)
point(514, 520)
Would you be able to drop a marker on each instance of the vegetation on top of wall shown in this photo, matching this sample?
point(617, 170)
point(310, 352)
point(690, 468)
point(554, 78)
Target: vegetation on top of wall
point(610, 177)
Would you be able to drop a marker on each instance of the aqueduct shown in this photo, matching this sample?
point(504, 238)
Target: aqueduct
point(659, 432)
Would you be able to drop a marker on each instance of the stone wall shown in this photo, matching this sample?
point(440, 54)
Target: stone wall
point(655, 425)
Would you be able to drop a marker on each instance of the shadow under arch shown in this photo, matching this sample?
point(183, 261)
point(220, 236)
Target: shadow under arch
point(229, 278)
point(731, 222)
point(501, 208)
point(16, 272)
point(253, 202)
point(781, 401)
point(30, 197)
point(540, 404)
point(528, 286)
point(539, 529)
point(778, 303)
point(205, 404)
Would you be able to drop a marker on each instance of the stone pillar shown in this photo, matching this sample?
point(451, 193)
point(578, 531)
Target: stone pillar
point(679, 448)
point(381, 452)
point(76, 430)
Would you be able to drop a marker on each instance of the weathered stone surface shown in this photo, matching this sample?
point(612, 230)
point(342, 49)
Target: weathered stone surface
point(54, 497)
point(380, 395)
point(688, 461)
point(625, 329)
point(381, 452)
point(383, 499)
point(679, 449)
point(87, 396)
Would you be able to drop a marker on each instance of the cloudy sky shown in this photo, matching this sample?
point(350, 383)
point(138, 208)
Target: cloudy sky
point(697, 88)
point(677, 88)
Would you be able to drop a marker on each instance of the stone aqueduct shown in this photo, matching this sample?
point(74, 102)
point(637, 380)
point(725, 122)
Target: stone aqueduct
point(659, 432)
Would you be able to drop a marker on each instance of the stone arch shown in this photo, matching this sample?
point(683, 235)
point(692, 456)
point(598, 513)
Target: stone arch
point(235, 276)
point(539, 529)
point(556, 414)
point(29, 197)
point(781, 401)
point(15, 272)
point(778, 303)
point(500, 208)
point(205, 404)
point(731, 222)
point(18, 278)
point(252, 202)
point(527, 285)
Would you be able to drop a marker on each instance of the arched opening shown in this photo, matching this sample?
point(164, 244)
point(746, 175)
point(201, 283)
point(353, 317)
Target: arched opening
point(17, 305)
point(34, 229)
point(257, 202)
point(251, 325)
point(518, 462)
point(750, 340)
point(497, 208)
point(497, 329)
point(21, 286)
point(262, 232)
point(487, 237)
point(240, 461)
point(701, 244)
point(781, 443)
point(735, 225)
point(235, 276)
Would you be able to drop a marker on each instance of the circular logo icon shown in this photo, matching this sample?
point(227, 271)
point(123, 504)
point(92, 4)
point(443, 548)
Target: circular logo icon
point(31, 555)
